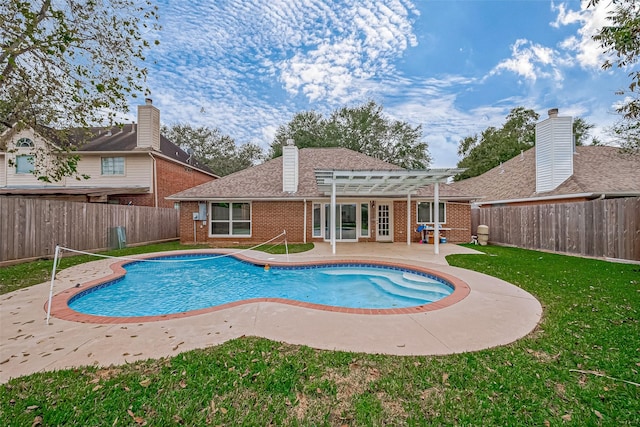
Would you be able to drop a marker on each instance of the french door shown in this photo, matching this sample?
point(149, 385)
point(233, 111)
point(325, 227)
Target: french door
point(384, 227)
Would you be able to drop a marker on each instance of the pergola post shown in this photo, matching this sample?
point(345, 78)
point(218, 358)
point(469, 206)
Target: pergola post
point(436, 218)
point(333, 218)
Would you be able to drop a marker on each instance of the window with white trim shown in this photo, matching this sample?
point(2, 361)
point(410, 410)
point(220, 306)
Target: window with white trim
point(112, 165)
point(425, 213)
point(231, 219)
point(364, 219)
point(24, 164)
point(317, 220)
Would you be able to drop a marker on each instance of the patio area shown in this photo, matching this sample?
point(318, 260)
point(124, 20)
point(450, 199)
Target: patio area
point(494, 313)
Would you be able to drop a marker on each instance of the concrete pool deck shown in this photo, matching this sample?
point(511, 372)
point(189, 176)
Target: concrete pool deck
point(493, 313)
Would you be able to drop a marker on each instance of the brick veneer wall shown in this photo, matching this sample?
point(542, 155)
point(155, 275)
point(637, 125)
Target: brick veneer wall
point(458, 219)
point(270, 218)
point(172, 178)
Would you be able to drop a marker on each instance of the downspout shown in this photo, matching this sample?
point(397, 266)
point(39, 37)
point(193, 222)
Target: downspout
point(155, 180)
point(304, 225)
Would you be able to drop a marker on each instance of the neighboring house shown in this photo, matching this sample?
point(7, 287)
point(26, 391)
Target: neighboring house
point(556, 171)
point(132, 164)
point(295, 193)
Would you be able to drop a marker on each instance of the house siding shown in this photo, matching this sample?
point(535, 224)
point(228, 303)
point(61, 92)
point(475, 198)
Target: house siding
point(270, 218)
point(3, 171)
point(172, 178)
point(138, 170)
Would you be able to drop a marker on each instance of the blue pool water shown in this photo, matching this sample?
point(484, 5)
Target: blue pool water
point(150, 289)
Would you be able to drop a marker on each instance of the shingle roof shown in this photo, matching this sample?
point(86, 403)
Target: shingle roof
point(125, 139)
point(264, 181)
point(596, 169)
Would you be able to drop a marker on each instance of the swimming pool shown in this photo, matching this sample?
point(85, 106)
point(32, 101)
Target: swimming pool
point(156, 289)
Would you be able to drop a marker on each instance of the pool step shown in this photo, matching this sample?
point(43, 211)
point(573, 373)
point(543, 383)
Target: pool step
point(392, 287)
point(403, 284)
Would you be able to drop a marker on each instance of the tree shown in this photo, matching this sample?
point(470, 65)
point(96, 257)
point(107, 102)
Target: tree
point(212, 148)
point(307, 129)
point(621, 40)
point(70, 64)
point(582, 132)
point(494, 146)
point(364, 129)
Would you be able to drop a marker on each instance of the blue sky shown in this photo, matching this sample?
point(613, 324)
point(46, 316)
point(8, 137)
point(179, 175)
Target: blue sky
point(454, 67)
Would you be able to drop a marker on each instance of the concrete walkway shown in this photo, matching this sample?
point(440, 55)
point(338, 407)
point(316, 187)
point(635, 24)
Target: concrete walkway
point(494, 313)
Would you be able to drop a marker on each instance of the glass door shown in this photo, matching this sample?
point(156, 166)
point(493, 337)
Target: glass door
point(346, 222)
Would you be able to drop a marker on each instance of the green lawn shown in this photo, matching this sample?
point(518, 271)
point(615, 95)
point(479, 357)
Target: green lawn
point(570, 371)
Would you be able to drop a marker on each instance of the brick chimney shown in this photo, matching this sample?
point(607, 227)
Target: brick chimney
point(290, 167)
point(148, 126)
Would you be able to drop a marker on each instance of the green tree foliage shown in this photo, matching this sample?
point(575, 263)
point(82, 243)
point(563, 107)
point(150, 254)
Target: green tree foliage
point(212, 148)
point(497, 145)
point(363, 128)
point(582, 132)
point(70, 64)
point(621, 41)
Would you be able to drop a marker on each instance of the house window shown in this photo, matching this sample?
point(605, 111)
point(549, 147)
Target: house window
point(231, 219)
point(112, 165)
point(24, 164)
point(364, 219)
point(425, 212)
point(24, 143)
point(317, 220)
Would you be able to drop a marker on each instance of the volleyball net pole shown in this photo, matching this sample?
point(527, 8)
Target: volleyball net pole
point(53, 278)
point(286, 245)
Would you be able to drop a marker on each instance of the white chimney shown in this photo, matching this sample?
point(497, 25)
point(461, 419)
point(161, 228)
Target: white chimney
point(148, 126)
point(290, 167)
point(554, 151)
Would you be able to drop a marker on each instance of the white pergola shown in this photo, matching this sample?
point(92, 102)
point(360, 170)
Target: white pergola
point(376, 183)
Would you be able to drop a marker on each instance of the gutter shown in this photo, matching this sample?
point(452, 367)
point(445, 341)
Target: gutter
point(612, 194)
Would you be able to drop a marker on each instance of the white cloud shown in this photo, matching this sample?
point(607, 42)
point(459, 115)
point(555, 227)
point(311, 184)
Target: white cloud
point(530, 61)
point(587, 51)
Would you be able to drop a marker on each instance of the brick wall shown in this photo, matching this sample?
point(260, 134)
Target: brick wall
point(458, 219)
point(172, 178)
point(270, 218)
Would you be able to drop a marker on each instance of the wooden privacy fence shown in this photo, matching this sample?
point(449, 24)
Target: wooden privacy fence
point(600, 228)
point(33, 227)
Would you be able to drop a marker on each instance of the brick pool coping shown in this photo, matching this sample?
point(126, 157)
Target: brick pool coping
point(61, 310)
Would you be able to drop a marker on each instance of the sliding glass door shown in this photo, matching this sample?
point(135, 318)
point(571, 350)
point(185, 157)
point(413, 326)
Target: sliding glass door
point(346, 221)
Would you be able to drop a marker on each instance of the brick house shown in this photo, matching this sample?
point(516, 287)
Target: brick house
point(132, 164)
point(373, 201)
